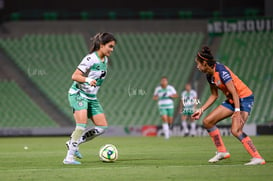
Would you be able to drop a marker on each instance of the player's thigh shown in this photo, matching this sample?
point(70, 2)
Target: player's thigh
point(216, 115)
point(170, 113)
point(99, 119)
point(80, 116)
point(184, 117)
point(164, 118)
point(79, 106)
point(96, 113)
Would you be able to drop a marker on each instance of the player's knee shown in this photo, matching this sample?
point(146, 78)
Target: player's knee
point(235, 132)
point(207, 123)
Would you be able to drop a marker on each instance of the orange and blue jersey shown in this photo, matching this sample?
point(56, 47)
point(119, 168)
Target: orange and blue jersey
point(222, 75)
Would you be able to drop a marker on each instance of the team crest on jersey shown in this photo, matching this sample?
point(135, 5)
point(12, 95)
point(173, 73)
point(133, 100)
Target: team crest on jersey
point(80, 103)
point(98, 67)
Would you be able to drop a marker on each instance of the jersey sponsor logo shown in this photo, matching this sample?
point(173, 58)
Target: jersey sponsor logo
point(98, 67)
point(103, 74)
point(225, 75)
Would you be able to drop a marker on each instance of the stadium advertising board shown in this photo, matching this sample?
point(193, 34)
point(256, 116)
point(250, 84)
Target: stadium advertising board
point(220, 26)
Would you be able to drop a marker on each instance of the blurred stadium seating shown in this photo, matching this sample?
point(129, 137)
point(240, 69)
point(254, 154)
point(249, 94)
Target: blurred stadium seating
point(249, 55)
point(49, 61)
point(18, 110)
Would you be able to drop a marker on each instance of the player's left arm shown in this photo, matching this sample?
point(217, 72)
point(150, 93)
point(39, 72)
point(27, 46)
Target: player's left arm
point(155, 97)
point(231, 88)
point(227, 79)
point(236, 115)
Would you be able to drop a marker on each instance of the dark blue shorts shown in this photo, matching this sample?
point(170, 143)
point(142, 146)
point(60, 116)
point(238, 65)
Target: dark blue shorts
point(246, 104)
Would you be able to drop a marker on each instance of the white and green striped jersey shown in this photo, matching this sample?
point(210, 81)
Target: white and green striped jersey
point(189, 98)
point(92, 67)
point(164, 101)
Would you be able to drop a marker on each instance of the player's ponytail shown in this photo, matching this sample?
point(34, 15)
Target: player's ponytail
point(206, 55)
point(101, 38)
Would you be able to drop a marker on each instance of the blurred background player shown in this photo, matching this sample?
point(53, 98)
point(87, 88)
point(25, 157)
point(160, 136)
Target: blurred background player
point(88, 77)
point(187, 107)
point(164, 94)
point(238, 105)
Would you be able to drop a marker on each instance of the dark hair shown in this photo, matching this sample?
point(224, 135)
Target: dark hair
point(206, 55)
point(101, 38)
point(164, 77)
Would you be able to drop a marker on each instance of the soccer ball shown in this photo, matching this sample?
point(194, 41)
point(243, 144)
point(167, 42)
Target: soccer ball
point(108, 153)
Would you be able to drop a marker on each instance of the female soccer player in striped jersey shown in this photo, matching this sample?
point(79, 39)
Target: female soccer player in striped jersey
point(88, 77)
point(164, 95)
point(238, 105)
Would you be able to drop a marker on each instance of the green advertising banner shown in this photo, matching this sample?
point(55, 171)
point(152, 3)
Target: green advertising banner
point(220, 26)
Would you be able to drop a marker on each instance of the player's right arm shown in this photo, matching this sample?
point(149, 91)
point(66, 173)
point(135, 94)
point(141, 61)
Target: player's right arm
point(155, 97)
point(83, 67)
point(79, 77)
point(212, 98)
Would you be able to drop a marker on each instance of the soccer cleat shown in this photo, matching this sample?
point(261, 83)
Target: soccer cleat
point(77, 152)
point(71, 162)
point(256, 161)
point(219, 156)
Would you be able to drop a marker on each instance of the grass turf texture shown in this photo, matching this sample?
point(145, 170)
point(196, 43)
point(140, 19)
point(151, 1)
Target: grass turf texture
point(140, 158)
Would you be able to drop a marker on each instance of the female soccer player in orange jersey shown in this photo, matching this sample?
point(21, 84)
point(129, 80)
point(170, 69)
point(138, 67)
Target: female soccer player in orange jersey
point(238, 105)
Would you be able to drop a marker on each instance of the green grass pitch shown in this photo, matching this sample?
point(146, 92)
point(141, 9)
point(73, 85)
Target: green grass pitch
point(140, 158)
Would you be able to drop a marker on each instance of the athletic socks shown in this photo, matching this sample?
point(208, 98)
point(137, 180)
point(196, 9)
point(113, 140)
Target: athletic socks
point(185, 126)
point(73, 145)
point(77, 133)
point(91, 133)
point(193, 128)
point(217, 139)
point(166, 130)
point(249, 146)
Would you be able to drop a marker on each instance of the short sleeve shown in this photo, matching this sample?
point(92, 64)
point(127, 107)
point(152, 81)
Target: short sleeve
point(194, 93)
point(173, 91)
point(224, 75)
point(85, 64)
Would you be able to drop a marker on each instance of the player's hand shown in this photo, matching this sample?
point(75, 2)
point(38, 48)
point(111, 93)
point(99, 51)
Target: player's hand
point(238, 118)
point(93, 83)
point(197, 114)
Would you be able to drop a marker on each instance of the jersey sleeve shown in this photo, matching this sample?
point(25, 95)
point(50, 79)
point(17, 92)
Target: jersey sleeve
point(85, 64)
point(173, 91)
point(224, 74)
point(194, 93)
